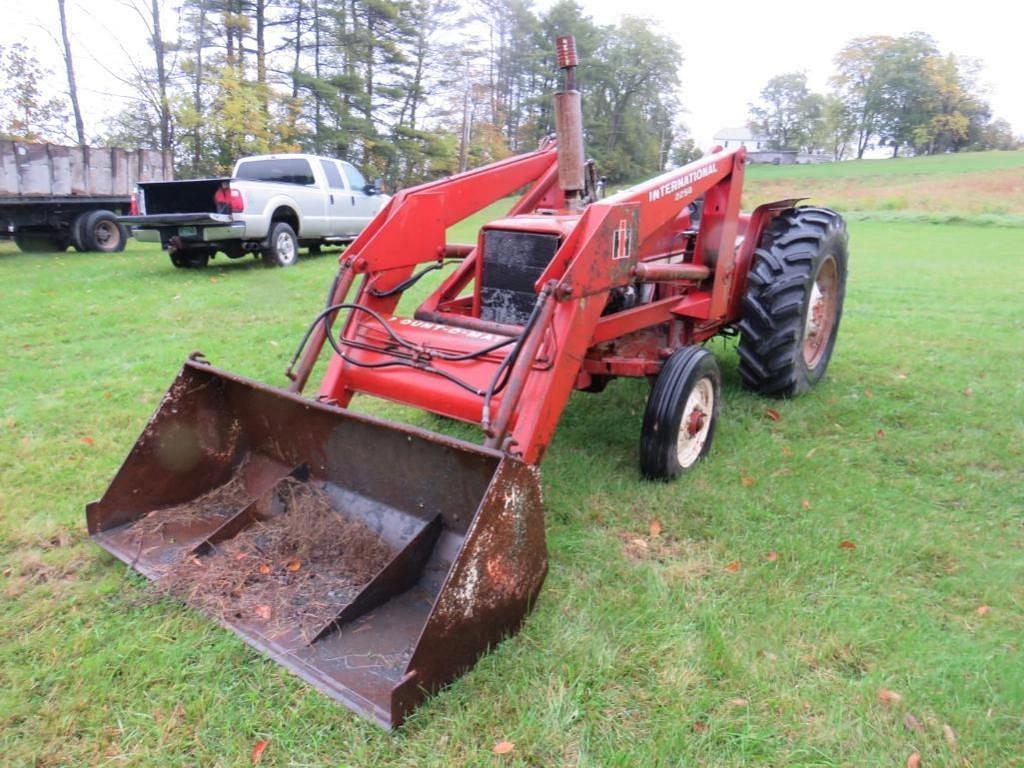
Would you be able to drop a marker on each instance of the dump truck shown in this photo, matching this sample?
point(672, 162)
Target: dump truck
point(268, 207)
point(52, 196)
point(379, 560)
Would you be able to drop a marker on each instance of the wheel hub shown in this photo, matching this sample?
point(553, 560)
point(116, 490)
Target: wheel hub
point(695, 425)
point(822, 306)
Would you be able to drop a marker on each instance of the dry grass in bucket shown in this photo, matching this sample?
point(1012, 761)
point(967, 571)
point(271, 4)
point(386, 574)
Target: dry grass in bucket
point(222, 502)
point(292, 571)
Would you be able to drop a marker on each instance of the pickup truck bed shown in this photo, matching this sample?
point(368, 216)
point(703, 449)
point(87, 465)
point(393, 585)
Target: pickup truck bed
point(269, 207)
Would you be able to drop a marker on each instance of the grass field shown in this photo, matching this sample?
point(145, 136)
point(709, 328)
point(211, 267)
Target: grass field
point(745, 634)
point(978, 187)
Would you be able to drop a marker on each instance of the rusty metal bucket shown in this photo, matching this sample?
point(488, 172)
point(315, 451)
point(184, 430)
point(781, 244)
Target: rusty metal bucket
point(463, 527)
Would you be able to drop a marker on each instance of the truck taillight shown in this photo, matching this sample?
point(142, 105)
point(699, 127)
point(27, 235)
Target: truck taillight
point(134, 207)
point(237, 203)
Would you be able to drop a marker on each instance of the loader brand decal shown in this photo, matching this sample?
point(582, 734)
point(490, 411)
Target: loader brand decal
point(451, 329)
point(683, 181)
point(622, 240)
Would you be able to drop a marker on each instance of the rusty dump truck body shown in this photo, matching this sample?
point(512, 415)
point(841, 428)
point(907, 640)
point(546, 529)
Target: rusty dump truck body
point(428, 550)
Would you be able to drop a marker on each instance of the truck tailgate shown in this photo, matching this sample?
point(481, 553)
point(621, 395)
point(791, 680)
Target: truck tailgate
point(177, 220)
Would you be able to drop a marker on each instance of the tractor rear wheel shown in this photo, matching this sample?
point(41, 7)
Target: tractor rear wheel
point(681, 414)
point(794, 302)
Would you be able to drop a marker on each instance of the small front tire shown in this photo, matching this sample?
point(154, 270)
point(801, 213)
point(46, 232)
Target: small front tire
point(284, 246)
point(682, 412)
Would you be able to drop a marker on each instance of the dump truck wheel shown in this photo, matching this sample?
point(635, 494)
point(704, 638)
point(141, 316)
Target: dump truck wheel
point(189, 259)
point(794, 302)
point(284, 246)
point(682, 410)
point(77, 232)
point(101, 232)
point(40, 241)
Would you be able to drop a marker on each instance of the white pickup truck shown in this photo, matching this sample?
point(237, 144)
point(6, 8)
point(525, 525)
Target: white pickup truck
point(269, 207)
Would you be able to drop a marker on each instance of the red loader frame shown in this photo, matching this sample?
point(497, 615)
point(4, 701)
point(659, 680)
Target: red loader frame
point(514, 380)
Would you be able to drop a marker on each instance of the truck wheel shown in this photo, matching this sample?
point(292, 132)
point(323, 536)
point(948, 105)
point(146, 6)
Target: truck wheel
point(794, 302)
point(682, 410)
point(77, 231)
point(193, 259)
point(101, 232)
point(284, 246)
point(40, 241)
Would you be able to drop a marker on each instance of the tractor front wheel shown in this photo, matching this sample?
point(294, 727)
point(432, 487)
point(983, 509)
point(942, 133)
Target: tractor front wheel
point(794, 302)
point(681, 414)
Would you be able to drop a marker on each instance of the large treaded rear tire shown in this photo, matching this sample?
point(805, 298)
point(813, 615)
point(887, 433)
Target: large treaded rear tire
point(793, 302)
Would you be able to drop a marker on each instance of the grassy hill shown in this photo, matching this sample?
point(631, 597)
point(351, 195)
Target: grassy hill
point(987, 187)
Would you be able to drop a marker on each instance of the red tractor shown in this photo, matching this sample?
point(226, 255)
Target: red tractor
point(565, 292)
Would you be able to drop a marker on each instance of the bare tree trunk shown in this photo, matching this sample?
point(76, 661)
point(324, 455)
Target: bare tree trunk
point(161, 80)
point(72, 85)
point(197, 93)
point(261, 52)
point(318, 118)
point(298, 49)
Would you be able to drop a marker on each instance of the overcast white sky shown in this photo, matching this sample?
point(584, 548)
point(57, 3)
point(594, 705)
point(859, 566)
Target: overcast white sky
point(729, 49)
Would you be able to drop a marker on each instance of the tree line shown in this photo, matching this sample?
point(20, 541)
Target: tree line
point(408, 90)
point(902, 93)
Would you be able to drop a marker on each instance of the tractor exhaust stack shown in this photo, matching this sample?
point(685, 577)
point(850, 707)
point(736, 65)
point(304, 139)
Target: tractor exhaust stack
point(569, 125)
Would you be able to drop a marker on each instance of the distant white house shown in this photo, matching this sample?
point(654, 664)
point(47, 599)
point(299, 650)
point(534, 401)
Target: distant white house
point(758, 150)
point(730, 138)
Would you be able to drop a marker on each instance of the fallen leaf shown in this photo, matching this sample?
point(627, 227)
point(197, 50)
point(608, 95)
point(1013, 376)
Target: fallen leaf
point(880, 433)
point(739, 702)
point(257, 751)
point(914, 761)
point(87, 440)
point(733, 566)
point(264, 569)
point(847, 544)
point(640, 543)
point(214, 280)
point(262, 612)
point(787, 451)
point(772, 556)
point(982, 610)
point(950, 735)
point(655, 528)
point(503, 747)
point(968, 392)
point(868, 393)
point(806, 504)
point(294, 565)
point(888, 697)
point(699, 727)
point(7, 572)
point(772, 414)
point(747, 481)
point(241, 556)
point(911, 723)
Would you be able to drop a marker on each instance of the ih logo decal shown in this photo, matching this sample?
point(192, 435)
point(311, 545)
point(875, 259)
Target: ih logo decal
point(622, 240)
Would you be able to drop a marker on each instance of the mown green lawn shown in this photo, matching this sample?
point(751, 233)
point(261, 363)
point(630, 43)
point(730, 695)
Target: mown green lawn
point(697, 647)
point(927, 165)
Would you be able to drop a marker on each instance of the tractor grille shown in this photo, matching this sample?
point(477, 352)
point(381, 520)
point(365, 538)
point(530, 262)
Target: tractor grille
point(512, 264)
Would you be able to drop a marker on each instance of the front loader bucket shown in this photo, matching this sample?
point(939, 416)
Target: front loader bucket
point(428, 550)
